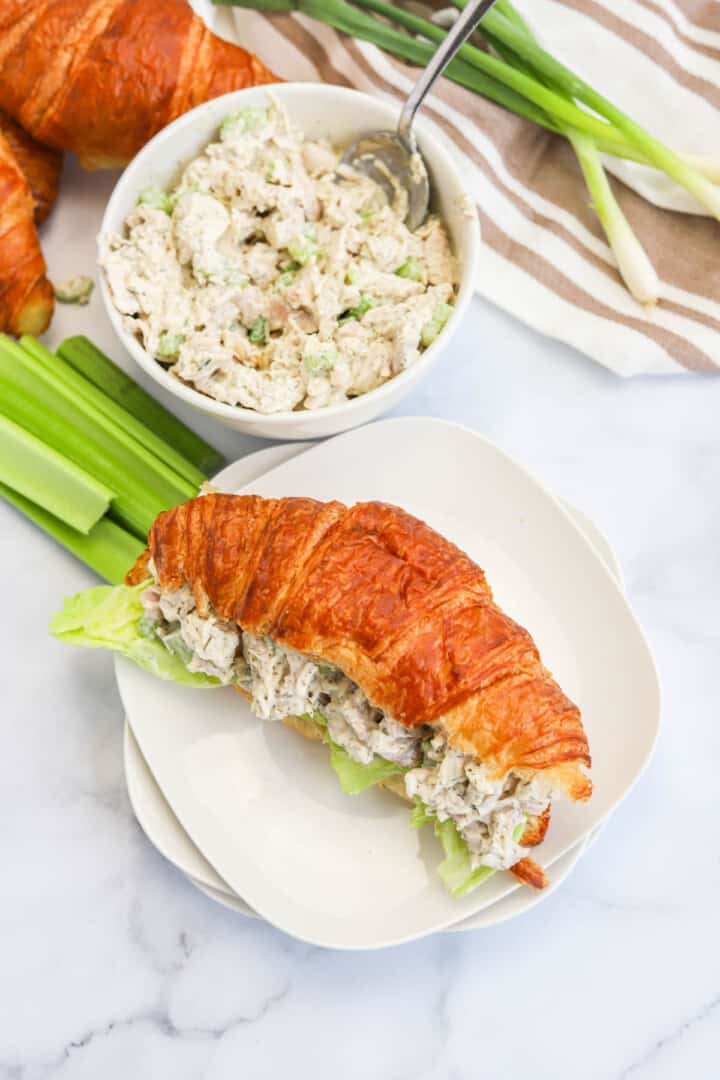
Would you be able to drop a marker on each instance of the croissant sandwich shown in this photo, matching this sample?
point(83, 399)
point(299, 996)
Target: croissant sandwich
point(365, 628)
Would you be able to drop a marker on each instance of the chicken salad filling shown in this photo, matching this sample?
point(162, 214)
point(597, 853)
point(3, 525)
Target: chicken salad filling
point(489, 814)
point(273, 277)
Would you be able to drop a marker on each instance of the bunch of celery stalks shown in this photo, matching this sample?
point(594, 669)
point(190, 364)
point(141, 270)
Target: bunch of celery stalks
point(88, 455)
point(516, 72)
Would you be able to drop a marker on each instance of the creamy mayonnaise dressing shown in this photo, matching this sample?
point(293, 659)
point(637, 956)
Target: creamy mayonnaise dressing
point(274, 278)
point(283, 683)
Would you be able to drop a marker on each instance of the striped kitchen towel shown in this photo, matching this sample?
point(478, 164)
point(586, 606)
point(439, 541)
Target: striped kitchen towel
point(544, 256)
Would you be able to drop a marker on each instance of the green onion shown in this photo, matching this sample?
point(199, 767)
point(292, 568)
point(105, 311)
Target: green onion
point(169, 464)
point(552, 104)
point(42, 404)
point(107, 549)
point(525, 46)
point(39, 473)
point(633, 263)
point(90, 362)
point(342, 16)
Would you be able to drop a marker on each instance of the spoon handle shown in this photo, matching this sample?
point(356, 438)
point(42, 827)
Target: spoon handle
point(460, 31)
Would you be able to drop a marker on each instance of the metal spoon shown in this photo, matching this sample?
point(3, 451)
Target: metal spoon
point(392, 159)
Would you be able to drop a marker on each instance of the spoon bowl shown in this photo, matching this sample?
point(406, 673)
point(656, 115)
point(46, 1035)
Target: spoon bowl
point(399, 170)
point(392, 159)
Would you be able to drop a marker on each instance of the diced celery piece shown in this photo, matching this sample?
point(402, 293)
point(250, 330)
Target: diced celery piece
point(324, 360)
point(169, 344)
point(411, 269)
point(431, 329)
point(155, 196)
point(245, 120)
point(259, 331)
point(236, 278)
point(357, 312)
point(174, 643)
point(284, 280)
point(77, 290)
point(303, 249)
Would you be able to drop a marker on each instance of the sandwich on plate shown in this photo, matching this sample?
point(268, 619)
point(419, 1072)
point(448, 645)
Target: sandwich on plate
point(365, 628)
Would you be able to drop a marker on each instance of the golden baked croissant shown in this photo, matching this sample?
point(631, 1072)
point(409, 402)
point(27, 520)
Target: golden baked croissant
point(402, 611)
point(100, 77)
point(395, 609)
point(40, 164)
point(26, 295)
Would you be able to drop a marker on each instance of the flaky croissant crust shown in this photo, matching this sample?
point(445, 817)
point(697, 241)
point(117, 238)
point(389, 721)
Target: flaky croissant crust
point(402, 611)
point(100, 77)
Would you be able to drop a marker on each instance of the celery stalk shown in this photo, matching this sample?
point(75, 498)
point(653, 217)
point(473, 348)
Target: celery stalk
point(38, 472)
point(39, 402)
point(80, 387)
point(107, 549)
point(89, 361)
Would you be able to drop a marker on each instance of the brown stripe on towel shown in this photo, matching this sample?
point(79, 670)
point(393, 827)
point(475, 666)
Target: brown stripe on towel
point(702, 14)
point(294, 32)
point(713, 51)
point(534, 264)
point(646, 44)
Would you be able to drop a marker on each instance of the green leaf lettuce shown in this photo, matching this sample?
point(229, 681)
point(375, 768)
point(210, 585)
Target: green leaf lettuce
point(111, 617)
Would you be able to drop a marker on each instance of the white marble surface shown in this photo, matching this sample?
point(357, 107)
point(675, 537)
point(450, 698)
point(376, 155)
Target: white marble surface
point(114, 967)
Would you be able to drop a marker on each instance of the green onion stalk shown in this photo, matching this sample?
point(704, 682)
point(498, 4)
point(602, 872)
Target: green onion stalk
point(632, 260)
point(518, 74)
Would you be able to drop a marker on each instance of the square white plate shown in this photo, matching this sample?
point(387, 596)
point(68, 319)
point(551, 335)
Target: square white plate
point(262, 804)
point(163, 829)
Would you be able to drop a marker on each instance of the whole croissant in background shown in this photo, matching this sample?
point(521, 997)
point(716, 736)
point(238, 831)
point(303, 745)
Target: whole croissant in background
point(40, 165)
point(100, 77)
point(28, 186)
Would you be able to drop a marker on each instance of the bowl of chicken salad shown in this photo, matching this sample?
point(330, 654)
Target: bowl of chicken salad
point(258, 279)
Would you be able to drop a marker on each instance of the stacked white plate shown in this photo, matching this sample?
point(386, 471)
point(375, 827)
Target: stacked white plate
point(253, 815)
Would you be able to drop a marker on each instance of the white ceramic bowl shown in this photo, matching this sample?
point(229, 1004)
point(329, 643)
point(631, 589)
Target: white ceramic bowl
point(319, 110)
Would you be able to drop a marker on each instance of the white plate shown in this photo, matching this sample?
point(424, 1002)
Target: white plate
point(167, 834)
point(266, 811)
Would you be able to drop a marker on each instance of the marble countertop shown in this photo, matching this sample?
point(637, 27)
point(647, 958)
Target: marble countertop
point(114, 967)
